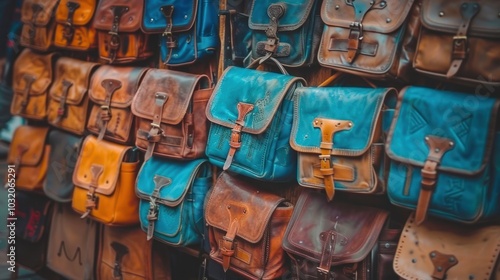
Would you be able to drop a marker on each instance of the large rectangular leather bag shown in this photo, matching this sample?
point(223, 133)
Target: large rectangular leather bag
point(459, 42)
point(32, 78)
point(170, 107)
point(437, 250)
point(336, 240)
point(38, 18)
point(104, 180)
point(189, 28)
point(172, 197)
point(111, 91)
point(339, 135)
point(251, 115)
point(69, 100)
point(445, 155)
point(74, 30)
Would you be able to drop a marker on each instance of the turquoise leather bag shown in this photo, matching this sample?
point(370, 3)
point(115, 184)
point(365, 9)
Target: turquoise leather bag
point(445, 152)
point(172, 195)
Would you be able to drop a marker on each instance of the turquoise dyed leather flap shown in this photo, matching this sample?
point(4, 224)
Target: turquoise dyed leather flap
point(445, 158)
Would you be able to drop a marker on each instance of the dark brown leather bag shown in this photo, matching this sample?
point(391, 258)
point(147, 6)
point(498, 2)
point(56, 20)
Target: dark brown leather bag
point(39, 22)
point(73, 25)
point(111, 91)
point(246, 228)
point(170, 107)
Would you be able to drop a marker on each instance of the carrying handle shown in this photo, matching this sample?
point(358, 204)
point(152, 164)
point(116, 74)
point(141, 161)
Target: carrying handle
point(261, 60)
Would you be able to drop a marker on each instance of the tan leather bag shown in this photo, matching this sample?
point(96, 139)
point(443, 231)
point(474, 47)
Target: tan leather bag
point(38, 21)
point(73, 25)
point(111, 91)
point(438, 249)
point(104, 179)
point(32, 77)
point(68, 105)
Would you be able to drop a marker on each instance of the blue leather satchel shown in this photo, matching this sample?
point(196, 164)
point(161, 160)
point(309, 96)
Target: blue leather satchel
point(445, 151)
point(189, 28)
point(251, 113)
point(172, 195)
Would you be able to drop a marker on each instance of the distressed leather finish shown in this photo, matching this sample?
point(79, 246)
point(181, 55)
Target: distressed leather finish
point(338, 133)
point(29, 153)
point(104, 183)
point(444, 155)
point(111, 91)
point(172, 197)
point(32, 77)
point(251, 113)
point(38, 21)
point(458, 41)
point(332, 240)
point(69, 101)
point(170, 107)
point(74, 29)
point(439, 249)
point(246, 228)
point(124, 253)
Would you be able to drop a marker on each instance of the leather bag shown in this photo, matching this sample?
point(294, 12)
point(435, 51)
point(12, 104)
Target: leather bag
point(104, 180)
point(251, 115)
point(438, 249)
point(445, 156)
point(69, 101)
point(170, 107)
point(172, 197)
point(336, 240)
point(459, 41)
point(339, 135)
point(32, 78)
point(38, 18)
point(246, 227)
point(74, 30)
point(111, 91)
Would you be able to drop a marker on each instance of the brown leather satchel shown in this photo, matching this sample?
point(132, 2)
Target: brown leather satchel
point(38, 21)
point(170, 107)
point(68, 106)
point(32, 77)
point(118, 24)
point(439, 249)
point(246, 227)
point(73, 25)
point(459, 41)
point(111, 91)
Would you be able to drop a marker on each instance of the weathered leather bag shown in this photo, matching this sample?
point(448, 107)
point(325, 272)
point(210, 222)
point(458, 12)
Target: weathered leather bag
point(69, 101)
point(32, 78)
point(459, 41)
point(445, 155)
point(172, 197)
point(251, 113)
point(74, 30)
point(29, 153)
point(189, 28)
point(339, 135)
point(337, 240)
point(119, 35)
point(170, 107)
point(104, 180)
point(438, 249)
point(38, 17)
point(111, 91)
point(246, 227)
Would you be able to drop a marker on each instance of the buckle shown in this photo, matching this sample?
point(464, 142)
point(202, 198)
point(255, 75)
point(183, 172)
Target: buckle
point(323, 271)
point(153, 210)
point(356, 26)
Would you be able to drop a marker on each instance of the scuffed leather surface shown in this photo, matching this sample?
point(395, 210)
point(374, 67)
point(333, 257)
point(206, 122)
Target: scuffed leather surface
point(183, 16)
point(130, 21)
point(44, 24)
point(134, 47)
point(84, 36)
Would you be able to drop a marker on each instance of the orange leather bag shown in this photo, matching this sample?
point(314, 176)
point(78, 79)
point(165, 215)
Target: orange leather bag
point(73, 25)
point(38, 21)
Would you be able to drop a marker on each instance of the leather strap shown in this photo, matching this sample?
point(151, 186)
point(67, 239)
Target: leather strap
point(460, 48)
point(110, 86)
point(68, 30)
point(275, 12)
point(61, 111)
point(325, 261)
point(235, 141)
point(356, 27)
point(155, 133)
point(120, 251)
point(170, 43)
point(340, 172)
point(21, 149)
point(160, 182)
point(25, 95)
point(114, 41)
point(36, 9)
point(92, 199)
point(227, 246)
point(442, 263)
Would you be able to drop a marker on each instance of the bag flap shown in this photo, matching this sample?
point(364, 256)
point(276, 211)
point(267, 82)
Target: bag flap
point(28, 142)
point(361, 107)
point(178, 88)
point(34, 71)
point(294, 16)
point(101, 159)
point(130, 19)
point(125, 80)
point(183, 15)
point(32, 213)
point(263, 90)
point(445, 16)
point(475, 250)
point(82, 14)
point(356, 228)
point(469, 122)
point(231, 196)
point(73, 74)
point(43, 10)
point(382, 17)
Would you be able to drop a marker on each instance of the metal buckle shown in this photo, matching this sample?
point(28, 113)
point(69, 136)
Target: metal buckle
point(153, 210)
point(458, 40)
point(356, 26)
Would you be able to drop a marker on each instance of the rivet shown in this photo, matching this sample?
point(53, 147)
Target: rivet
point(413, 260)
point(300, 242)
point(244, 210)
point(383, 4)
point(452, 259)
point(451, 144)
point(439, 269)
point(437, 150)
point(151, 20)
point(371, 3)
point(350, 124)
point(258, 191)
point(426, 138)
point(441, 13)
point(388, 20)
point(471, 277)
point(229, 207)
point(185, 16)
point(433, 255)
point(337, 7)
point(387, 245)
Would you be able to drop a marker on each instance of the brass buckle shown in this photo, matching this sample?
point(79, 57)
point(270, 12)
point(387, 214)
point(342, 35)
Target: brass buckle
point(356, 26)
